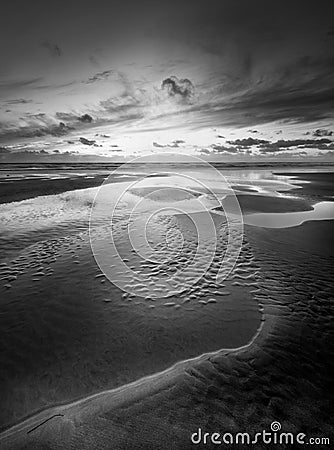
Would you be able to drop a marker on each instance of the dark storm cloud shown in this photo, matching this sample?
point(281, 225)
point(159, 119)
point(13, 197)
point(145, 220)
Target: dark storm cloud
point(52, 48)
point(180, 88)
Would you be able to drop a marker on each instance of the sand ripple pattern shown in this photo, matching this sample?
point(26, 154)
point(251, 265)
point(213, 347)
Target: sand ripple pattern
point(146, 219)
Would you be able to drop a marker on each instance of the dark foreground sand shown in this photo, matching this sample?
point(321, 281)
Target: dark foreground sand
point(285, 374)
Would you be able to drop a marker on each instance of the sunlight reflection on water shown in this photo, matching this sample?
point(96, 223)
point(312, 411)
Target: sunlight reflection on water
point(321, 211)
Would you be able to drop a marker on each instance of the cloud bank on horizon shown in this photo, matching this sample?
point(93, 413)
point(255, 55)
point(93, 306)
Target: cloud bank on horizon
point(202, 77)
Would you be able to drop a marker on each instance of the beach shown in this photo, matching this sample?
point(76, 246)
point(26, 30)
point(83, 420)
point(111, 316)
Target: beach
point(166, 225)
point(101, 366)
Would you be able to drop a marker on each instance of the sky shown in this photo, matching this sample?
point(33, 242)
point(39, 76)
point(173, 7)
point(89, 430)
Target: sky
point(225, 80)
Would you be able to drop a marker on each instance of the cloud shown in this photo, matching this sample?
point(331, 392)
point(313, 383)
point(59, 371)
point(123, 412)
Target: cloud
point(174, 144)
point(298, 92)
point(322, 132)
point(66, 116)
point(100, 76)
point(57, 130)
point(205, 151)
point(34, 125)
point(156, 144)
point(182, 89)
point(284, 145)
point(85, 118)
point(104, 136)
point(223, 149)
point(52, 48)
point(248, 142)
point(18, 101)
point(72, 118)
point(243, 146)
point(320, 146)
point(86, 141)
point(18, 84)
point(217, 149)
point(121, 103)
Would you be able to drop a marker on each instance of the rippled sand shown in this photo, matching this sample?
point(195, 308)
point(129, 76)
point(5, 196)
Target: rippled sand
point(285, 374)
point(69, 333)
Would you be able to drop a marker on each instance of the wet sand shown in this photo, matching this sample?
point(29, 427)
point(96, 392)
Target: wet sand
point(69, 340)
point(18, 190)
point(284, 374)
point(68, 332)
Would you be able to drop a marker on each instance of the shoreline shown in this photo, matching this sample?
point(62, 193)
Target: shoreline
point(24, 189)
